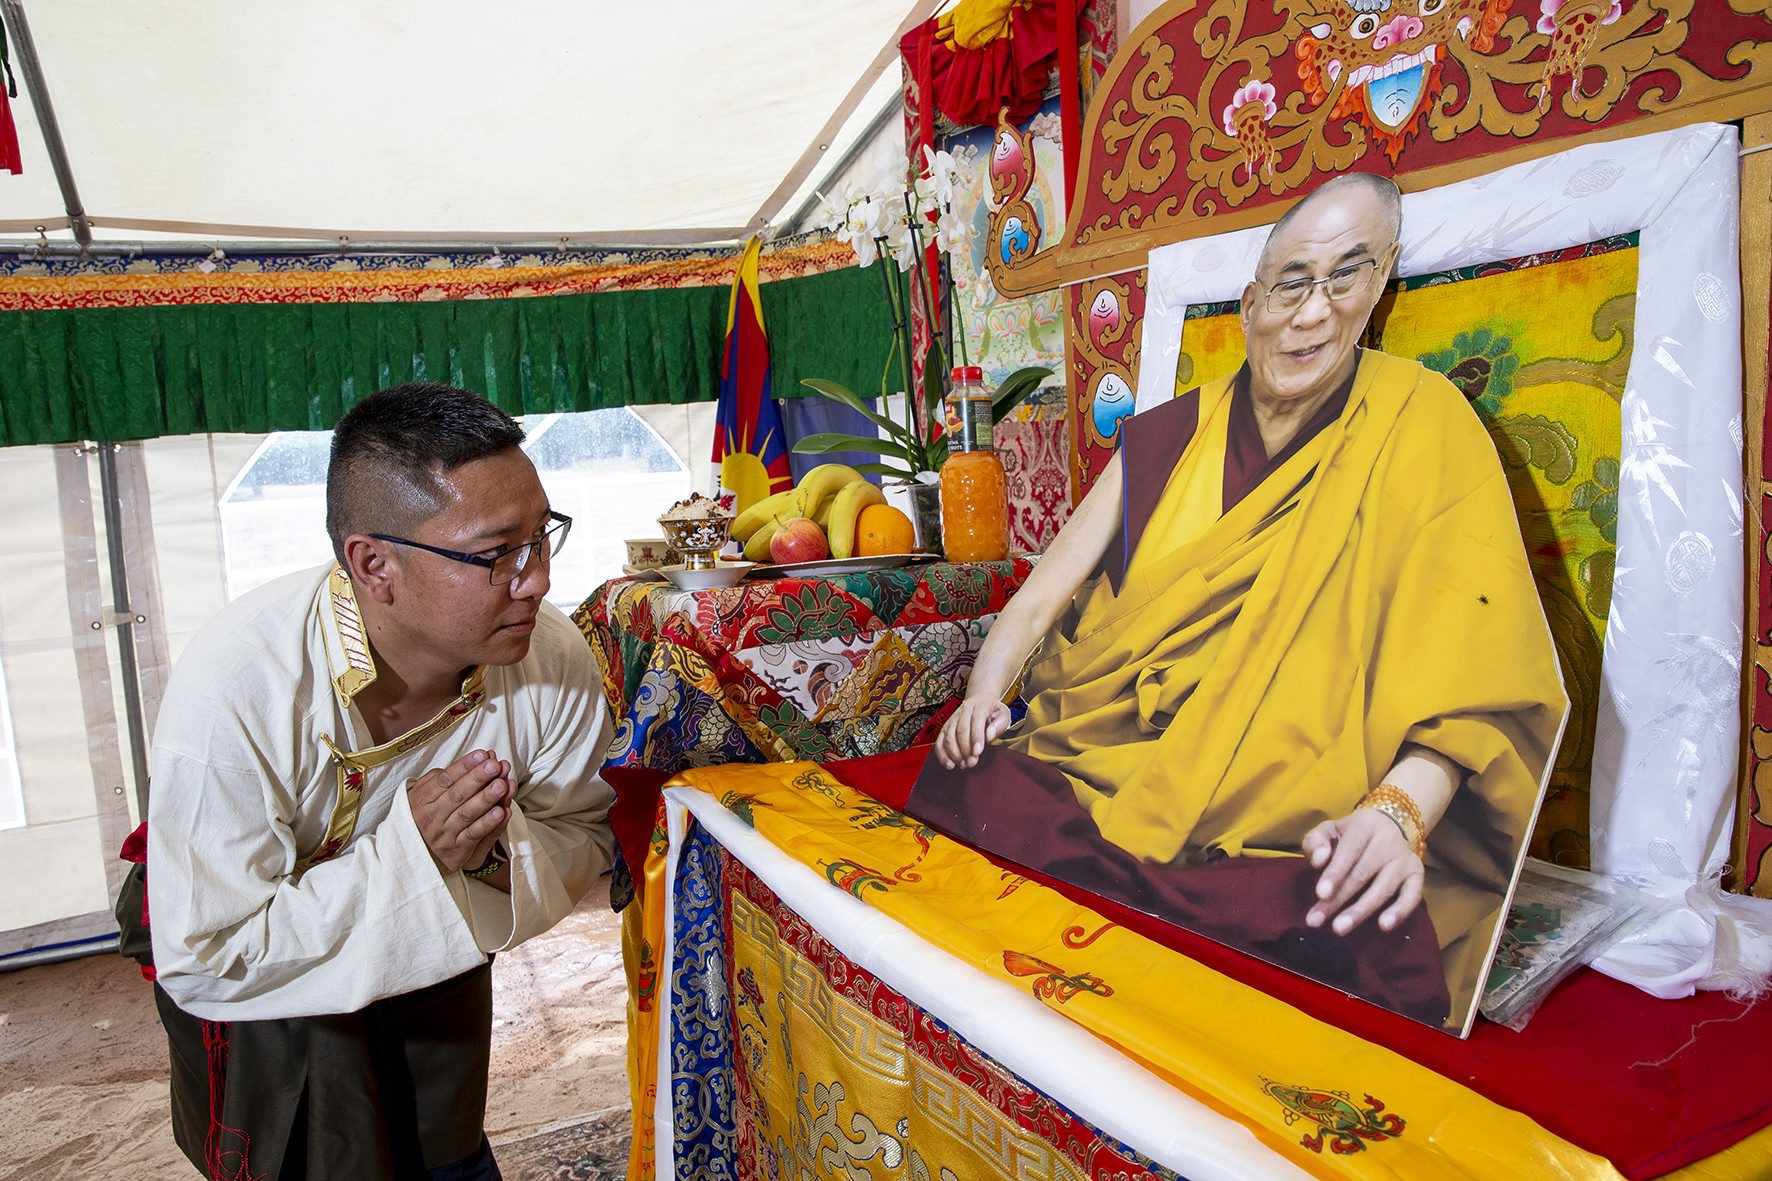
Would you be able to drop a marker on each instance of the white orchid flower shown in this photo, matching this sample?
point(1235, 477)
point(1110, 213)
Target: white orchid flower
point(939, 172)
point(849, 238)
point(902, 243)
point(869, 216)
point(925, 201)
point(953, 233)
point(832, 212)
point(865, 250)
point(891, 179)
point(905, 253)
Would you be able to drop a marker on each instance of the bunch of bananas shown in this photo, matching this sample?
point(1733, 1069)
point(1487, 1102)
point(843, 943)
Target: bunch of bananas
point(831, 495)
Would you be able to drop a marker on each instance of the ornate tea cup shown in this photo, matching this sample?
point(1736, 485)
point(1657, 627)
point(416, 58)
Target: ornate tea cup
point(647, 553)
point(699, 539)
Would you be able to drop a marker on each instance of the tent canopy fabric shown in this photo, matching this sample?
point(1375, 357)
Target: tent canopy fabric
point(439, 117)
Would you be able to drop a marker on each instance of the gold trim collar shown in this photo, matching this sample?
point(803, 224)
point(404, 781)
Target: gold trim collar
point(347, 642)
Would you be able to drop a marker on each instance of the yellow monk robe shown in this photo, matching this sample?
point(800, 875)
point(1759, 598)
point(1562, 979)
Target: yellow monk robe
point(1258, 676)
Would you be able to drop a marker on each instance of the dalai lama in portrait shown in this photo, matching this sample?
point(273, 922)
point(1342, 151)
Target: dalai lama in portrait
point(1289, 683)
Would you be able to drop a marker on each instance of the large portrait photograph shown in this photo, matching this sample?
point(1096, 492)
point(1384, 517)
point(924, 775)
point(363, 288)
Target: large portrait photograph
point(1323, 653)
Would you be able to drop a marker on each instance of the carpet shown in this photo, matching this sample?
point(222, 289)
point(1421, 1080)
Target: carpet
point(592, 1149)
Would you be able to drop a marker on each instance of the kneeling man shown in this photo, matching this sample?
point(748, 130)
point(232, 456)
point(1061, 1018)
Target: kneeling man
point(1293, 673)
point(367, 779)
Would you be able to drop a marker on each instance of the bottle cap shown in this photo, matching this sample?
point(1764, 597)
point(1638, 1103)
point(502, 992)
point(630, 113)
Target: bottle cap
point(967, 373)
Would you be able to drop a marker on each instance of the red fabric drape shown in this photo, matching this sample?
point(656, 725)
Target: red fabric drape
point(970, 85)
point(10, 160)
point(1070, 96)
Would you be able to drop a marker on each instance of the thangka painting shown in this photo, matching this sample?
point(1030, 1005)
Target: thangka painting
point(1005, 333)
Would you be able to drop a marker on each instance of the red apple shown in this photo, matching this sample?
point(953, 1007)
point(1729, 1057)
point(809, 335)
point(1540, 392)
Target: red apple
point(798, 539)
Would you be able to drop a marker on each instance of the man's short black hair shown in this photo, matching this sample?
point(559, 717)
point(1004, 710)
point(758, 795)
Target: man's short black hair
point(389, 450)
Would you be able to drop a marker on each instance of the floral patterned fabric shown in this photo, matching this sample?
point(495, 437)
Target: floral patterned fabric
point(764, 1042)
point(790, 668)
point(701, 1052)
point(28, 283)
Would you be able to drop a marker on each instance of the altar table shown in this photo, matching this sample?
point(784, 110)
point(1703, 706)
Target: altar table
point(789, 668)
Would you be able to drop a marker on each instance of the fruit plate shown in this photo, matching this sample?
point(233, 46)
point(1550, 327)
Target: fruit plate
point(643, 573)
point(831, 567)
point(725, 574)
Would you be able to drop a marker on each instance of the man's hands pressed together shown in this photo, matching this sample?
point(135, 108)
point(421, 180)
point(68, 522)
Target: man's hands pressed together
point(461, 810)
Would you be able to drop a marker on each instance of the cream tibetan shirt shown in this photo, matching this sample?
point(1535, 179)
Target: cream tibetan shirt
point(286, 876)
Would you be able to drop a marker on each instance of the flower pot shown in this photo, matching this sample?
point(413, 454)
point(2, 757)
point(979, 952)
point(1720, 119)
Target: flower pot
point(922, 504)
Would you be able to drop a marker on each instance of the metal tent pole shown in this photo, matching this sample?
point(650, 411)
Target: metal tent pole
point(126, 619)
point(796, 222)
point(32, 68)
point(56, 953)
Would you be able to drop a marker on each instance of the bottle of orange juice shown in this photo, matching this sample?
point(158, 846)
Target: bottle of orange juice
point(974, 491)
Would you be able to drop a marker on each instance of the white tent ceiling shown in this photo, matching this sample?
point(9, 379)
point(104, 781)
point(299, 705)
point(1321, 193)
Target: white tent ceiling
point(446, 118)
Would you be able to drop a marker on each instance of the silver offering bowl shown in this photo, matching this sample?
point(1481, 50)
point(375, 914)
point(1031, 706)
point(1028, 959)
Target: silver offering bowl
point(698, 540)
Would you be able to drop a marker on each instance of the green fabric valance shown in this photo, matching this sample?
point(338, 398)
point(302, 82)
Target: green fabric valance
point(140, 372)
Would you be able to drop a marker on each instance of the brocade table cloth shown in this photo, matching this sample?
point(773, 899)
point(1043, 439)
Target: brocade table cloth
point(789, 668)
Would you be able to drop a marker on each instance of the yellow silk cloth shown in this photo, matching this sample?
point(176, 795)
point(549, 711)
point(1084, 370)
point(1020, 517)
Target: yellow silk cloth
point(1237, 1050)
point(642, 945)
point(973, 24)
point(814, 1060)
point(1261, 677)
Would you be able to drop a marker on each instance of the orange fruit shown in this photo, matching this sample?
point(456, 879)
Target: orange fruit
point(882, 529)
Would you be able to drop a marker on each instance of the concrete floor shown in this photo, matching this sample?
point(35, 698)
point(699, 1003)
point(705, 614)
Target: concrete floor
point(83, 1082)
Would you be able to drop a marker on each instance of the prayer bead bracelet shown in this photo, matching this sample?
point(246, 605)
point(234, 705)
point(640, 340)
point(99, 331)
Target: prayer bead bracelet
point(1389, 800)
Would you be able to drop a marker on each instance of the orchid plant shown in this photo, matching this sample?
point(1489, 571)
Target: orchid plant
point(897, 217)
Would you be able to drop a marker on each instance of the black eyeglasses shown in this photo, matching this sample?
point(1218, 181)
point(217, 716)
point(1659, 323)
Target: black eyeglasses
point(505, 565)
point(1337, 284)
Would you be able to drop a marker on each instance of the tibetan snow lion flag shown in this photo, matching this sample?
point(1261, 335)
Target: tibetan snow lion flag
point(750, 449)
